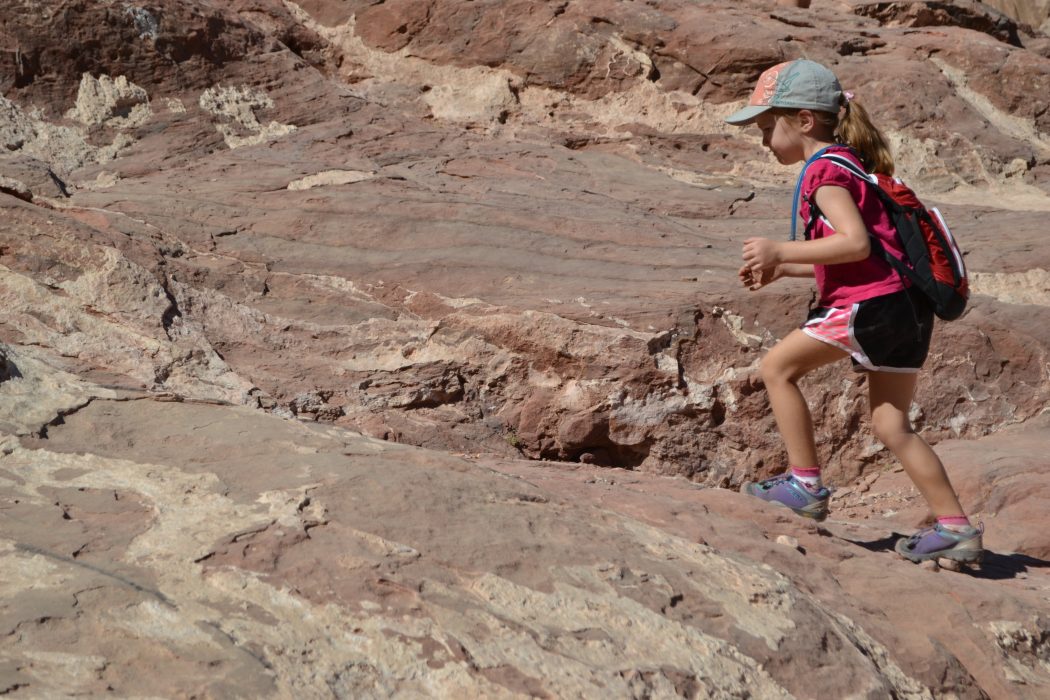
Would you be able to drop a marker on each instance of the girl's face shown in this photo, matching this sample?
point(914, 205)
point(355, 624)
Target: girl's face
point(781, 135)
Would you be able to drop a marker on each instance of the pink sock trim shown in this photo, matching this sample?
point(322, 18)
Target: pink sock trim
point(953, 520)
point(806, 471)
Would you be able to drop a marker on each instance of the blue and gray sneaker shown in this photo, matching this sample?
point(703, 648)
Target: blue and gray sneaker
point(937, 542)
point(785, 490)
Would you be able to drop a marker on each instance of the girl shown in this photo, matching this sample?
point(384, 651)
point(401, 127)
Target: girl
point(866, 311)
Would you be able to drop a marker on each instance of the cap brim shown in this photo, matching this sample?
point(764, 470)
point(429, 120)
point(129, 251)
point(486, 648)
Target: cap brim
point(747, 114)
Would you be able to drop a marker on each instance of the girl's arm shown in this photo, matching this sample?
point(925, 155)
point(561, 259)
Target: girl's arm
point(796, 270)
point(849, 243)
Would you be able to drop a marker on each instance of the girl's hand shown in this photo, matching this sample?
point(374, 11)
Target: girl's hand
point(761, 254)
point(755, 281)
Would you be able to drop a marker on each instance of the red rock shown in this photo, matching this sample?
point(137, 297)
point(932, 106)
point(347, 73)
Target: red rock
point(300, 240)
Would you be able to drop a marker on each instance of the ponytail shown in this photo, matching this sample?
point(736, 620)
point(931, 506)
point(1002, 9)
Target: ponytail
point(856, 130)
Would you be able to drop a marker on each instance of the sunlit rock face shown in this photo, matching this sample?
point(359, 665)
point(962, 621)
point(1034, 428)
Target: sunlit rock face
point(375, 349)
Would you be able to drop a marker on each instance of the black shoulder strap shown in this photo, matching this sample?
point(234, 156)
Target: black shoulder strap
point(877, 248)
point(849, 165)
point(889, 202)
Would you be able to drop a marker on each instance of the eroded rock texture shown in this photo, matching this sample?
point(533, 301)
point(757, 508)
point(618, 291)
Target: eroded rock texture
point(365, 349)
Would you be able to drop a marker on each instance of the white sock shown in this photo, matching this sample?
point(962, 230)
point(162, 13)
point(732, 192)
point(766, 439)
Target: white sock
point(810, 478)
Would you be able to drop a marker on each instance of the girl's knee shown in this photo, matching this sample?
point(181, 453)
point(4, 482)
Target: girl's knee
point(892, 433)
point(777, 370)
point(773, 371)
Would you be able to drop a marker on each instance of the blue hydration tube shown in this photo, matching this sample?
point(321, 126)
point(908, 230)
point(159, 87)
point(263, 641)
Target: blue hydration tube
point(798, 191)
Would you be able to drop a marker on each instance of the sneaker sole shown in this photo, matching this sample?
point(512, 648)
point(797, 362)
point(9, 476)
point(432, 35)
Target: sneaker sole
point(969, 552)
point(820, 514)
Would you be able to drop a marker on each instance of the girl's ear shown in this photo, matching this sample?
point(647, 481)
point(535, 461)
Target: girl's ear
point(806, 120)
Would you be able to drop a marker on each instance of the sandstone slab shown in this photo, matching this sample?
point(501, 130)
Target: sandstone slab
point(388, 349)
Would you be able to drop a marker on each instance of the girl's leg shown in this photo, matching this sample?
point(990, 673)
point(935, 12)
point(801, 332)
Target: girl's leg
point(789, 360)
point(890, 395)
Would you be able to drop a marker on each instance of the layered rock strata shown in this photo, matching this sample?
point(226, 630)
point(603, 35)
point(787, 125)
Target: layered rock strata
point(363, 349)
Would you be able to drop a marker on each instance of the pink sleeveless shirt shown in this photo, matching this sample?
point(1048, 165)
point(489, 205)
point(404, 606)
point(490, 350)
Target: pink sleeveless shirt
point(847, 283)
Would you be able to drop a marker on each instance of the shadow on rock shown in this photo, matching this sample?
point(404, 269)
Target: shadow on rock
point(994, 566)
point(883, 544)
point(1002, 566)
point(8, 369)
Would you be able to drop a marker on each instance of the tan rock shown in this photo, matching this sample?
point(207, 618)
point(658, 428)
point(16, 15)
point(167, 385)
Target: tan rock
point(114, 102)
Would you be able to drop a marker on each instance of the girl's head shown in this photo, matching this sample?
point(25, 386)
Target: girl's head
point(803, 98)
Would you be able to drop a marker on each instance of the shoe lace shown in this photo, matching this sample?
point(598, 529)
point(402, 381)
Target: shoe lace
point(774, 481)
point(936, 527)
point(917, 537)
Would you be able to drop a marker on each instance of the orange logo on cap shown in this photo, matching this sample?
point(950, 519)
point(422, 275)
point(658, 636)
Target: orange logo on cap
point(767, 85)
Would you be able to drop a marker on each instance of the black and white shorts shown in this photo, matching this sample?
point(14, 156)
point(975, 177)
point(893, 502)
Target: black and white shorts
point(890, 333)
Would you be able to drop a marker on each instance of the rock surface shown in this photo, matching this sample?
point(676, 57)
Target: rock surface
point(364, 349)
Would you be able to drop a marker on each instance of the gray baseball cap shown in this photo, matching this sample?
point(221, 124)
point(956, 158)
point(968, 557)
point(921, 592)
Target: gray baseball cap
point(797, 84)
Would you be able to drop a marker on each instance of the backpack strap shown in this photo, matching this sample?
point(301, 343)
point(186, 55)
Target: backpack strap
point(814, 210)
point(798, 192)
point(904, 271)
point(847, 164)
point(888, 202)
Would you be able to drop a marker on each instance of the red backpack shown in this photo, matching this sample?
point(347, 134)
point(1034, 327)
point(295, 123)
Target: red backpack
point(932, 259)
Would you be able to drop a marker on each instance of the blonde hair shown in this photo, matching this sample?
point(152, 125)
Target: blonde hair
point(855, 129)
